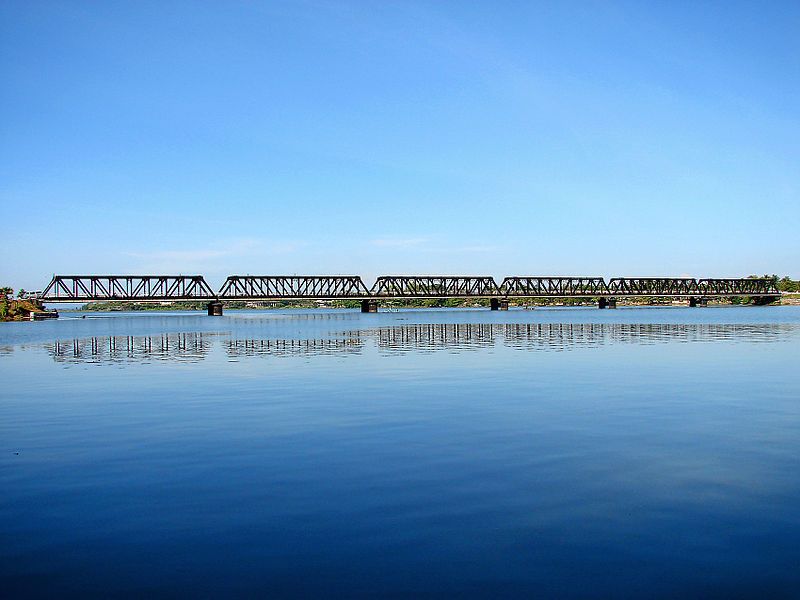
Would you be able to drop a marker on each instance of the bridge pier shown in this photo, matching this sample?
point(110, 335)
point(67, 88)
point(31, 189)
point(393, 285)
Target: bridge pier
point(606, 302)
point(498, 304)
point(215, 309)
point(764, 300)
point(369, 306)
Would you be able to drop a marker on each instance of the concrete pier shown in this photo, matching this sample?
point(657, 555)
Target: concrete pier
point(215, 309)
point(607, 303)
point(498, 304)
point(369, 306)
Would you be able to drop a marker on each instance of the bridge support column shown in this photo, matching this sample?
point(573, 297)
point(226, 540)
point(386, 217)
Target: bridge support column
point(607, 303)
point(369, 306)
point(498, 304)
point(701, 302)
point(215, 309)
point(763, 300)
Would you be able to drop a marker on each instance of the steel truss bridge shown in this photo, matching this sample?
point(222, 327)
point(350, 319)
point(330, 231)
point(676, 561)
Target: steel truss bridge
point(174, 288)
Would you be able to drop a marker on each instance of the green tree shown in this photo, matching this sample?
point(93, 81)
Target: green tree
point(787, 284)
point(5, 292)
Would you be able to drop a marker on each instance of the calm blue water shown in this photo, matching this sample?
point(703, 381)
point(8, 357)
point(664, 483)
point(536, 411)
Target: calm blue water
point(565, 453)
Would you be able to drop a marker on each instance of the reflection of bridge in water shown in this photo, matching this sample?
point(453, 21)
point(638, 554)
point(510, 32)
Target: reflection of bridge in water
point(539, 337)
point(176, 346)
point(277, 347)
point(174, 288)
point(560, 336)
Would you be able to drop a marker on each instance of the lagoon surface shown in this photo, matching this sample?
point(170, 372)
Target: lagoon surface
point(570, 453)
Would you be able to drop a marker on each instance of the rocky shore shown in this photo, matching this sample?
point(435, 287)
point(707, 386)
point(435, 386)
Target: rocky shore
point(23, 310)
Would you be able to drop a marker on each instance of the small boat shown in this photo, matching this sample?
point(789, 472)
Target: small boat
point(43, 315)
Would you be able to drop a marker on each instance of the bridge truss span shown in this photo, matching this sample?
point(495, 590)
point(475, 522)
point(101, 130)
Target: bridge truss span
point(136, 288)
point(554, 287)
point(653, 286)
point(289, 287)
point(434, 286)
point(689, 287)
point(738, 287)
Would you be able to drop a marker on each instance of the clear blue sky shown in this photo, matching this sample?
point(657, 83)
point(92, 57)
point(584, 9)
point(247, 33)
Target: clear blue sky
point(640, 138)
